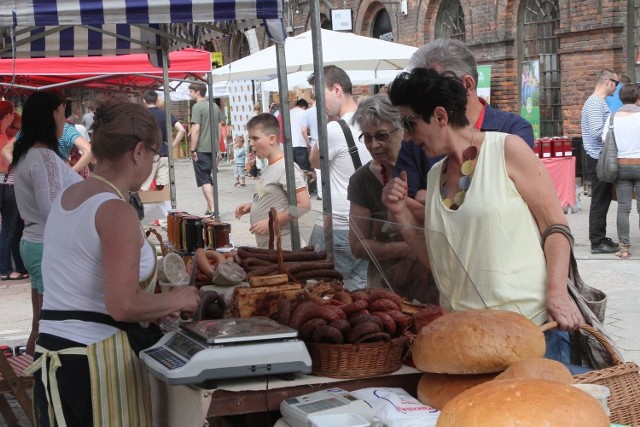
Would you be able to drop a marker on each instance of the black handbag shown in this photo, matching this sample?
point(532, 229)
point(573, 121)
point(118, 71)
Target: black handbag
point(586, 350)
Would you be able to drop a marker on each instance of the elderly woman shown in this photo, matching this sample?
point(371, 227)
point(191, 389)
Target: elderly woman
point(488, 202)
point(99, 273)
point(392, 262)
point(626, 128)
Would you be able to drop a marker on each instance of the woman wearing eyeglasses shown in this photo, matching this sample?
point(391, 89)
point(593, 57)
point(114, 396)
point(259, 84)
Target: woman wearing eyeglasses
point(488, 203)
point(12, 224)
point(100, 275)
point(391, 261)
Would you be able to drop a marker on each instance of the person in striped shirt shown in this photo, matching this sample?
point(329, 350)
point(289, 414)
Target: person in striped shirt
point(594, 116)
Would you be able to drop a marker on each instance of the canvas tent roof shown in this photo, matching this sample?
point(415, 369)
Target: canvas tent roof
point(124, 72)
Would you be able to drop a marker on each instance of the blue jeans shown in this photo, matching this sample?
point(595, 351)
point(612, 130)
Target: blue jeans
point(628, 178)
point(11, 233)
point(559, 349)
point(353, 270)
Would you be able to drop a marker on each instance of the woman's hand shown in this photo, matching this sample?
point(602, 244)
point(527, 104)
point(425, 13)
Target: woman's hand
point(187, 298)
point(562, 309)
point(395, 193)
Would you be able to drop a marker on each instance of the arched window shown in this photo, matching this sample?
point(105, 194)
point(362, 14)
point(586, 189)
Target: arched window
point(540, 64)
point(244, 47)
point(382, 28)
point(450, 20)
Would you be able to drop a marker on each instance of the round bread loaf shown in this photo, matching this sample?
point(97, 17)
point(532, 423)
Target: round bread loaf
point(540, 368)
point(523, 402)
point(436, 390)
point(476, 342)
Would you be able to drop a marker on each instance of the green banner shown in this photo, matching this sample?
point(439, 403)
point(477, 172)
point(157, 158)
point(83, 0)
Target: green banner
point(530, 94)
point(484, 82)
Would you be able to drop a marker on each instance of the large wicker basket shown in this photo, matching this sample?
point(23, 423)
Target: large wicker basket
point(357, 360)
point(622, 379)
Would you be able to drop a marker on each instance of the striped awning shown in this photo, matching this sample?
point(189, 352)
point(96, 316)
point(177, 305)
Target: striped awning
point(49, 28)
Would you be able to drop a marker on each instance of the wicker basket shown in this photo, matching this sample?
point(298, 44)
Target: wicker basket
point(623, 381)
point(357, 360)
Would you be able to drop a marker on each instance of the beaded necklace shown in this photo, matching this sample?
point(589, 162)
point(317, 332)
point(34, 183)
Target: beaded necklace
point(469, 156)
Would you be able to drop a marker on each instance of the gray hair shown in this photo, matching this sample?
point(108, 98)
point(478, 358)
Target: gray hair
point(604, 75)
point(375, 110)
point(445, 55)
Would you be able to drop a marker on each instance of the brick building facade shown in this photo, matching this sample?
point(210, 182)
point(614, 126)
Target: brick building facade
point(572, 40)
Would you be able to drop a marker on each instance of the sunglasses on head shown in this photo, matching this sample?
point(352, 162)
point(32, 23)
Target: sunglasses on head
point(379, 136)
point(407, 122)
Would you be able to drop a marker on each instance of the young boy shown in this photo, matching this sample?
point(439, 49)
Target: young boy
point(240, 155)
point(271, 189)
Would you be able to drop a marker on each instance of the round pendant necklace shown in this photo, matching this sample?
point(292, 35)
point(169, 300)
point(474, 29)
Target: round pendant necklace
point(469, 156)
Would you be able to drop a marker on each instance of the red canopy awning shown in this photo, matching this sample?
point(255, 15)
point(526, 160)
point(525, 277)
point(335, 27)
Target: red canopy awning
point(124, 72)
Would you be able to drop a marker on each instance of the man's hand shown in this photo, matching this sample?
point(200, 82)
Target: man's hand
point(242, 209)
point(194, 156)
point(260, 227)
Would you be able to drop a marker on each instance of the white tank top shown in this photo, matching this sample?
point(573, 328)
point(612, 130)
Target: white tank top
point(487, 253)
point(72, 269)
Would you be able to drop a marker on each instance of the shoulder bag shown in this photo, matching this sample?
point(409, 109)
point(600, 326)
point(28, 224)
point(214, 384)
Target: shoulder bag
point(607, 167)
point(353, 149)
point(586, 350)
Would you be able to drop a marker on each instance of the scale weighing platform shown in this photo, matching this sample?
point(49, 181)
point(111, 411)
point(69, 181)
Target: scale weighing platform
point(226, 348)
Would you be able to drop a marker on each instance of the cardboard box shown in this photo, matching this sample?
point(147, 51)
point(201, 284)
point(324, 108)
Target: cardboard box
point(155, 196)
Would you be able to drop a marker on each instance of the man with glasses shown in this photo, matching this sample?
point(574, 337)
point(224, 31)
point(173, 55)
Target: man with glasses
point(453, 55)
point(340, 104)
point(594, 118)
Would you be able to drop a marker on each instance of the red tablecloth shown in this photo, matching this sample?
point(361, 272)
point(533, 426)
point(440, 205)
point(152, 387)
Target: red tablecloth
point(563, 174)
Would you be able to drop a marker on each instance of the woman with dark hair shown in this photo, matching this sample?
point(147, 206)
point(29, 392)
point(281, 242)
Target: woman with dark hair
point(488, 203)
point(12, 224)
point(40, 175)
point(626, 127)
point(391, 260)
point(100, 274)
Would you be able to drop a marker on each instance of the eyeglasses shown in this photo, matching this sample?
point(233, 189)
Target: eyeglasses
point(615, 81)
point(407, 122)
point(156, 155)
point(380, 137)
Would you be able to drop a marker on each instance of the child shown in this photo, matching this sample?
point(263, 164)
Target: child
point(271, 189)
point(240, 154)
point(252, 166)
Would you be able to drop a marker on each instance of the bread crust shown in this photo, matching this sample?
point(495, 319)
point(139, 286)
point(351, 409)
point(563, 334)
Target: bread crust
point(476, 342)
point(523, 402)
point(436, 390)
point(540, 368)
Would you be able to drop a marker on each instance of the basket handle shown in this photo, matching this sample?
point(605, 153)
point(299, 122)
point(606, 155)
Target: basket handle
point(602, 339)
point(153, 231)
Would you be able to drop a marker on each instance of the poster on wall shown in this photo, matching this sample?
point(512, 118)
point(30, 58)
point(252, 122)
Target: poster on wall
point(484, 82)
point(530, 94)
point(240, 106)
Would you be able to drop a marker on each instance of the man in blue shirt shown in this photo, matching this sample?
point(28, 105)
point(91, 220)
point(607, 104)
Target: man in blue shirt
point(594, 118)
point(613, 101)
point(453, 55)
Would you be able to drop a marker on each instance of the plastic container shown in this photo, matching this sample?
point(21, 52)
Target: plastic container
point(599, 392)
point(338, 420)
point(172, 270)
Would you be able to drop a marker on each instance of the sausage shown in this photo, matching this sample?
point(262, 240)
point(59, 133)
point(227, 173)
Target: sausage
point(343, 296)
point(376, 294)
point(301, 314)
point(358, 295)
point(264, 270)
point(343, 326)
point(358, 313)
point(401, 319)
point(215, 256)
point(309, 326)
point(284, 310)
point(203, 265)
point(388, 324)
point(301, 255)
point(356, 320)
point(383, 304)
point(354, 307)
point(252, 262)
point(362, 329)
point(328, 334)
point(309, 296)
point(374, 337)
point(314, 274)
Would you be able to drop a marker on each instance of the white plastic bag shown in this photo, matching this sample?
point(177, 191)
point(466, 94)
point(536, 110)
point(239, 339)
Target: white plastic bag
point(397, 408)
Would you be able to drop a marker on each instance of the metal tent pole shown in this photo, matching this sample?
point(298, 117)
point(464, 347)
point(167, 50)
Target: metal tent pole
point(214, 148)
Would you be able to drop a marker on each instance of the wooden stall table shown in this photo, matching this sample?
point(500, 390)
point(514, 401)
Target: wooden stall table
point(563, 175)
point(253, 397)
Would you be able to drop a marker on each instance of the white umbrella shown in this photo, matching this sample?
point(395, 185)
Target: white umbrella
point(346, 50)
point(358, 77)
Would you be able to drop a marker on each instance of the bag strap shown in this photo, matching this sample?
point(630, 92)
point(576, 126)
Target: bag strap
point(557, 228)
point(353, 149)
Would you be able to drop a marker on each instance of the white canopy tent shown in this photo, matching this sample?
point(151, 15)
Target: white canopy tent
point(346, 50)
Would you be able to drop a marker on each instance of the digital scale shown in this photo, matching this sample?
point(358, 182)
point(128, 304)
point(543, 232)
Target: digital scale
point(226, 348)
point(299, 411)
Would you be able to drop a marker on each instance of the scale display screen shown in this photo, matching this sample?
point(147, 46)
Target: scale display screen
point(184, 346)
